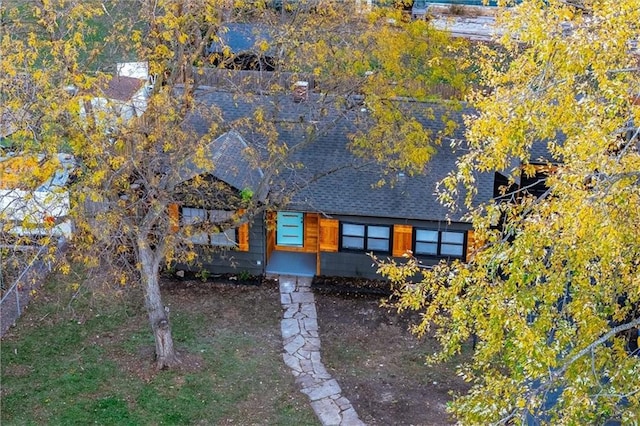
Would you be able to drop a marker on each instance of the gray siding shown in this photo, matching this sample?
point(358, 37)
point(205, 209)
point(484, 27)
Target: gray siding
point(347, 265)
point(234, 261)
point(356, 264)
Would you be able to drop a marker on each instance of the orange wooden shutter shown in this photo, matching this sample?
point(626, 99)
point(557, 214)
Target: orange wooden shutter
point(402, 239)
point(471, 245)
point(329, 235)
point(174, 218)
point(243, 237)
point(243, 234)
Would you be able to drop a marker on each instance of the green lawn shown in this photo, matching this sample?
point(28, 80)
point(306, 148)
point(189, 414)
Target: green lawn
point(91, 362)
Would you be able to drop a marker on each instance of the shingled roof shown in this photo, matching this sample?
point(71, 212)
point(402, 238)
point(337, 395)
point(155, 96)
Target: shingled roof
point(331, 179)
point(122, 88)
point(229, 160)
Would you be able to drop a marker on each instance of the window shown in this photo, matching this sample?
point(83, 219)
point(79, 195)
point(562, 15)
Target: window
point(366, 237)
point(193, 216)
point(429, 242)
point(426, 242)
point(353, 236)
point(378, 238)
point(226, 238)
point(451, 243)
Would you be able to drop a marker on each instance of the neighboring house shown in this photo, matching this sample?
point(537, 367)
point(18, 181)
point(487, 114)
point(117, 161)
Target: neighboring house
point(125, 95)
point(34, 200)
point(333, 212)
point(243, 46)
point(39, 204)
point(419, 9)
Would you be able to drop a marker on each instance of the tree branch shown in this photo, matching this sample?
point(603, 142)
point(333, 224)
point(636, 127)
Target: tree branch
point(608, 335)
point(558, 373)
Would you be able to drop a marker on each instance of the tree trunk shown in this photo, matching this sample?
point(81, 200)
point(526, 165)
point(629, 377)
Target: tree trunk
point(158, 314)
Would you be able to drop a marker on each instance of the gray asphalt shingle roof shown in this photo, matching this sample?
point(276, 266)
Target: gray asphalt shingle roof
point(331, 179)
point(231, 164)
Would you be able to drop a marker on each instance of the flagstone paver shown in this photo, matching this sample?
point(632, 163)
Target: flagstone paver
point(301, 343)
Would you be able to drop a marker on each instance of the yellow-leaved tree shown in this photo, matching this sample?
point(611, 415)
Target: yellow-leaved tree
point(551, 296)
point(137, 130)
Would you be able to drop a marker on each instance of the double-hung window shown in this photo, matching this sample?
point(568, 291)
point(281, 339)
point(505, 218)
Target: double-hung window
point(366, 237)
point(430, 242)
point(206, 219)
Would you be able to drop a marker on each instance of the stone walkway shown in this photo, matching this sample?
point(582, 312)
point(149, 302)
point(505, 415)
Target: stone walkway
point(302, 354)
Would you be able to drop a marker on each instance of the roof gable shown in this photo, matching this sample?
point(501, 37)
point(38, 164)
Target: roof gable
point(227, 158)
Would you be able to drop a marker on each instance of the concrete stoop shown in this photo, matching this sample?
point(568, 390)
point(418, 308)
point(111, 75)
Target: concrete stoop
point(301, 343)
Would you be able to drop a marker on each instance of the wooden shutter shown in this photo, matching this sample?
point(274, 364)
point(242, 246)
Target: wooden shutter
point(329, 237)
point(471, 245)
point(402, 239)
point(271, 232)
point(243, 237)
point(243, 233)
point(311, 232)
point(174, 217)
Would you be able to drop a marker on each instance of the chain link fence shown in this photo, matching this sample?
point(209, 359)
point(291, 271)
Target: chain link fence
point(29, 279)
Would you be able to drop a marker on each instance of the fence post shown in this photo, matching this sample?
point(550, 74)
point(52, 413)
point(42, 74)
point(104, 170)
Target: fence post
point(15, 290)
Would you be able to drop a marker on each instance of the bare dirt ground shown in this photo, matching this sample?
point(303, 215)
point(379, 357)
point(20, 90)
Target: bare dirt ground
point(380, 365)
point(369, 349)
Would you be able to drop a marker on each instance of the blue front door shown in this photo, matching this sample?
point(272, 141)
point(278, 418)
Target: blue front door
point(289, 229)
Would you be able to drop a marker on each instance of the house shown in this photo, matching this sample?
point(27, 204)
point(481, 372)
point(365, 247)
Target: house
point(243, 46)
point(337, 213)
point(124, 95)
point(34, 200)
point(419, 9)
